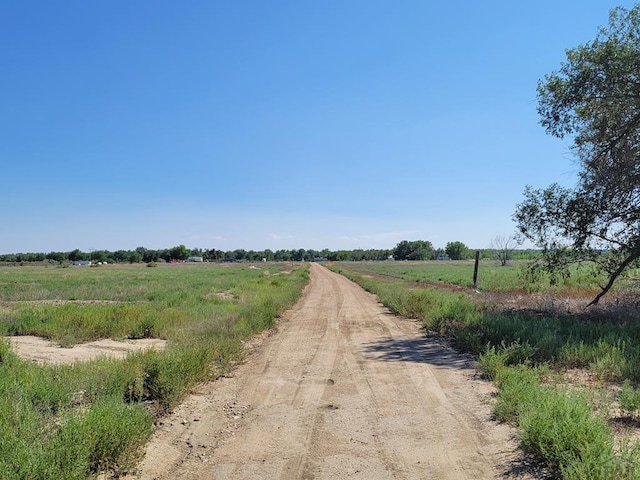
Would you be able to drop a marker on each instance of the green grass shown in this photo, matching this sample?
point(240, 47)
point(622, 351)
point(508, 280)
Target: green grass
point(525, 353)
point(75, 421)
point(491, 276)
point(131, 302)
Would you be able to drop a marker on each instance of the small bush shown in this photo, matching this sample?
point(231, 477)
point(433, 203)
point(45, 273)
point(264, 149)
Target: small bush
point(518, 389)
point(7, 356)
point(492, 361)
point(629, 399)
point(67, 341)
point(560, 427)
point(116, 434)
point(168, 376)
point(145, 328)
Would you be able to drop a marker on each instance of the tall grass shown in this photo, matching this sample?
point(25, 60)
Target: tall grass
point(74, 421)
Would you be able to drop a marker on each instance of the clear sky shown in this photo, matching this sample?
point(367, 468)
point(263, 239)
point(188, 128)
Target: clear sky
point(276, 124)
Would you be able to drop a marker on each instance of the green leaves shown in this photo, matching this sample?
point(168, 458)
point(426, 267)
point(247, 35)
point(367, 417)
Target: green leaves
point(415, 250)
point(457, 251)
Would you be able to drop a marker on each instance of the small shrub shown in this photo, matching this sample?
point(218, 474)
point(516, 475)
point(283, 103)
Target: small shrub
point(7, 356)
point(67, 452)
point(495, 358)
point(629, 399)
point(518, 389)
point(492, 361)
point(115, 433)
point(170, 375)
point(560, 427)
point(146, 328)
point(610, 359)
point(67, 341)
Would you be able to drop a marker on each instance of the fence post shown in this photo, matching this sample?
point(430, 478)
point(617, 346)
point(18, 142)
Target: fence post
point(475, 270)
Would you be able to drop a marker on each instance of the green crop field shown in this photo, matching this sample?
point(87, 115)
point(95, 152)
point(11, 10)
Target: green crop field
point(80, 420)
point(567, 378)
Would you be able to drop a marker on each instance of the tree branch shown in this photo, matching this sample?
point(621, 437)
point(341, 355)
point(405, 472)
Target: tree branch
point(627, 261)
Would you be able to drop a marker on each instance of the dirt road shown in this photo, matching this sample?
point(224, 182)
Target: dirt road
point(343, 389)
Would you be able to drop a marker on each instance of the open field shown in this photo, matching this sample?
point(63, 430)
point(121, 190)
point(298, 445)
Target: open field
point(491, 276)
point(74, 420)
point(567, 376)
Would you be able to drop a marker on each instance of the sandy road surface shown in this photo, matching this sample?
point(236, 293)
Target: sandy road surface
point(342, 389)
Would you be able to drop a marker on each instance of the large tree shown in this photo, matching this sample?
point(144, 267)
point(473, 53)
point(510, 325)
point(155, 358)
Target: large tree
point(415, 250)
point(179, 252)
point(594, 100)
point(457, 250)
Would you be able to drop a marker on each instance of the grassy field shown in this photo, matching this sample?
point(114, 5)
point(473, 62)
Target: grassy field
point(567, 379)
point(491, 276)
point(76, 421)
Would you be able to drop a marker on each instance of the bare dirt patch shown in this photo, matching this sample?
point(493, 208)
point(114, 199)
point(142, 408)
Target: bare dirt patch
point(340, 389)
point(43, 351)
point(227, 295)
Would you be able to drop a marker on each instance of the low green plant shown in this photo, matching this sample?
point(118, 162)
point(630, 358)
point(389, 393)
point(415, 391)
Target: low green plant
point(67, 341)
point(629, 399)
point(560, 427)
point(115, 433)
point(518, 389)
point(492, 361)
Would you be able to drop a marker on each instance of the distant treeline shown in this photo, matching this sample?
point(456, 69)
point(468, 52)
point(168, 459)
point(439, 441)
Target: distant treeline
point(405, 250)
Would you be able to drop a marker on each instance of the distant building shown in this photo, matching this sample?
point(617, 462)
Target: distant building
point(195, 259)
point(82, 263)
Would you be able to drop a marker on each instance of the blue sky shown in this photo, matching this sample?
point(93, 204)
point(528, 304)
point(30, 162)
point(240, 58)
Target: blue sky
point(283, 124)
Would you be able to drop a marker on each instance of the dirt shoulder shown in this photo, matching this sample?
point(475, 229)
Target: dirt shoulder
point(340, 389)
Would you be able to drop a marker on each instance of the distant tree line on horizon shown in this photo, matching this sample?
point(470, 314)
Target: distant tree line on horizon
point(405, 250)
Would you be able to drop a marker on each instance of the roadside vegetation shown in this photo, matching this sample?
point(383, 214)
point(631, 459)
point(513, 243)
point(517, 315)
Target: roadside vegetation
point(78, 421)
point(567, 378)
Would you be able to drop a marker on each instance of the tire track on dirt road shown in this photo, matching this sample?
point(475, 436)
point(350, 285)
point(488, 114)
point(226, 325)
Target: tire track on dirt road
point(340, 389)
